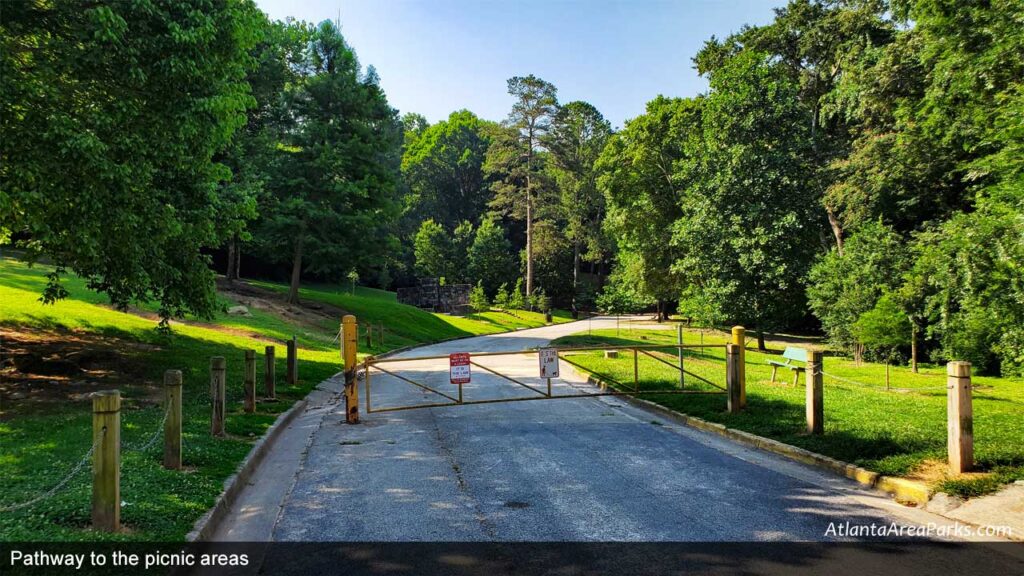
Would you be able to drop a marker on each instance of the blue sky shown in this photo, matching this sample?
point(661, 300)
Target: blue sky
point(438, 56)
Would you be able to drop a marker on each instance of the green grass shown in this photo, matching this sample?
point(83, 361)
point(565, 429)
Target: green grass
point(894, 433)
point(409, 326)
point(41, 441)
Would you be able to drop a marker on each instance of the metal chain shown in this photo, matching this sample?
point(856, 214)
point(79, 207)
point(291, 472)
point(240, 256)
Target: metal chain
point(52, 491)
point(152, 439)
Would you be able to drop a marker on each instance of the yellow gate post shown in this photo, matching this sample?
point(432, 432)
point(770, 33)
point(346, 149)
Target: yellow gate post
point(349, 342)
point(739, 338)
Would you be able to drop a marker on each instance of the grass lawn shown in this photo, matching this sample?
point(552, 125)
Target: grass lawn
point(894, 433)
point(407, 325)
point(46, 428)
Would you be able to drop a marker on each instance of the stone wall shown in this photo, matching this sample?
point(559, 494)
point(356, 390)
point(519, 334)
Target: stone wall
point(431, 295)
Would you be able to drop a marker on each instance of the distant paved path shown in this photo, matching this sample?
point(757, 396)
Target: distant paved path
point(592, 469)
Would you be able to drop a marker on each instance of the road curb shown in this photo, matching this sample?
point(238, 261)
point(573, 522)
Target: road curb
point(233, 486)
point(903, 490)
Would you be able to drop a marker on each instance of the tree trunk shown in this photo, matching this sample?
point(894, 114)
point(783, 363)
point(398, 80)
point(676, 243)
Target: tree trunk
point(232, 255)
point(293, 291)
point(529, 232)
point(575, 272)
point(760, 340)
point(238, 258)
point(913, 346)
point(837, 229)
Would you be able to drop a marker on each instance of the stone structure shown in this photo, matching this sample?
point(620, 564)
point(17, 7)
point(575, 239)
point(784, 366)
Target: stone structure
point(430, 294)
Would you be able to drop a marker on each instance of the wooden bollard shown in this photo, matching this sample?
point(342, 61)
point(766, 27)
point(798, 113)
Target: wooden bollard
point(732, 379)
point(292, 363)
point(739, 338)
point(815, 390)
point(250, 381)
point(269, 383)
point(218, 368)
point(959, 417)
point(381, 342)
point(679, 341)
point(172, 425)
point(349, 340)
point(106, 461)
point(369, 335)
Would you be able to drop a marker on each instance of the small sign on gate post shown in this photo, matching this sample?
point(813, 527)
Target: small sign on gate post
point(458, 369)
point(548, 362)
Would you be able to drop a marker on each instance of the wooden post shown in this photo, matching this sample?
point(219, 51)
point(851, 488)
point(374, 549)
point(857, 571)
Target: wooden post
point(218, 368)
point(815, 389)
point(959, 417)
point(739, 338)
point(679, 340)
point(106, 461)
point(369, 336)
point(172, 425)
point(349, 340)
point(250, 381)
point(293, 362)
point(269, 375)
point(381, 343)
point(636, 371)
point(732, 378)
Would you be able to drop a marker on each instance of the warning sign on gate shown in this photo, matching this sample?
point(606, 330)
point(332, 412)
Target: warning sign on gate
point(548, 362)
point(458, 367)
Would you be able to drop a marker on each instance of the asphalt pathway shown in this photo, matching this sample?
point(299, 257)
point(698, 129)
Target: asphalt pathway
point(590, 469)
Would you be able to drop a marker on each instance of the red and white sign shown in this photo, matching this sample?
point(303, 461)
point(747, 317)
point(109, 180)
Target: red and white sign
point(458, 367)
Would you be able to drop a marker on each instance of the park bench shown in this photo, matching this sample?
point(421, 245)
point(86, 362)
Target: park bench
point(791, 355)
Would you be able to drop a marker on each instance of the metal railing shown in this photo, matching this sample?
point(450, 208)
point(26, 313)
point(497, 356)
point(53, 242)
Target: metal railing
point(609, 386)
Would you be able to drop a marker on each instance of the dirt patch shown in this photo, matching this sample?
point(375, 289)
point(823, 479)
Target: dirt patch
point(935, 471)
point(39, 365)
point(309, 313)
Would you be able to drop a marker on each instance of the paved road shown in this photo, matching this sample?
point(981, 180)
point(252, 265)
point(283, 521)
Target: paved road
point(593, 469)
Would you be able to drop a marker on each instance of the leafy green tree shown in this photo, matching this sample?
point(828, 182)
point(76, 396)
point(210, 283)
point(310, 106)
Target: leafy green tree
point(843, 286)
point(334, 181)
point(885, 327)
point(502, 297)
point(462, 241)
point(433, 250)
point(478, 298)
point(512, 155)
point(112, 115)
point(637, 175)
point(749, 226)
point(490, 257)
point(578, 135)
point(517, 298)
point(444, 170)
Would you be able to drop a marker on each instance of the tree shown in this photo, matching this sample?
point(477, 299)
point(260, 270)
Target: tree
point(335, 175)
point(478, 298)
point(443, 167)
point(511, 158)
point(750, 222)
point(884, 327)
point(637, 175)
point(112, 117)
point(578, 135)
point(502, 297)
point(433, 250)
point(844, 285)
point(517, 298)
point(490, 257)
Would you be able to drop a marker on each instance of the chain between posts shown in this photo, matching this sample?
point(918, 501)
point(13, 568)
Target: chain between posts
point(152, 439)
point(57, 487)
